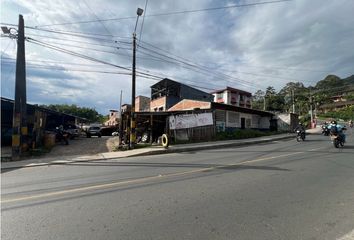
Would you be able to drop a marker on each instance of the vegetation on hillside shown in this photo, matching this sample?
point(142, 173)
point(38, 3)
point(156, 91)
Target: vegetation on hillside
point(303, 97)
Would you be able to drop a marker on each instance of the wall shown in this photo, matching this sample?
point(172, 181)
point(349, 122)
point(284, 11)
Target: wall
point(187, 104)
point(231, 119)
point(287, 122)
point(187, 92)
point(142, 104)
point(264, 123)
point(157, 103)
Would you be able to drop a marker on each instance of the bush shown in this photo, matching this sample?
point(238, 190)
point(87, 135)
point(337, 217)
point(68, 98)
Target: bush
point(241, 134)
point(346, 114)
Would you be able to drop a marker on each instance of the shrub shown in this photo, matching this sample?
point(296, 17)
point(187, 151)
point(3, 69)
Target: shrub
point(241, 134)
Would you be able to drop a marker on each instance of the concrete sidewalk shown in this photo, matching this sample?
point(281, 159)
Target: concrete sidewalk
point(149, 151)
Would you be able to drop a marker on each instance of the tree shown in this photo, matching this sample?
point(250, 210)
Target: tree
point(295, 93)
point(274, 102)
point(89, 113)
point(258, 100)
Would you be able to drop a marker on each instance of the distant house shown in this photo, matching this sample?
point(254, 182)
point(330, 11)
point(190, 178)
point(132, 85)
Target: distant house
point(142, 104)
point(338, 102)
point(234, 97)
point(167, 93)
point(113, 118)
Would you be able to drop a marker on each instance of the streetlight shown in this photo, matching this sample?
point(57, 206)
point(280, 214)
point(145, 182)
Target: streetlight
point(10, 32)
point(139, 12)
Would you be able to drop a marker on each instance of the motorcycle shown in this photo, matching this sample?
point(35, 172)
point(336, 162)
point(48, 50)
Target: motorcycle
point(325, 130)
point(337, 140)
point(61, 135)
point(300, 135)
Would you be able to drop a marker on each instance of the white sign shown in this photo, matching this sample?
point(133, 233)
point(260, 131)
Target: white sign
point(190, 120)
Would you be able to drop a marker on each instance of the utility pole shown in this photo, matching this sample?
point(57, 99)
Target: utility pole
point(120, 120)
point(132, 121)
point(311, 111)
point(293, 100)
point(264, 103)
point(139, 12)
point(19, 124)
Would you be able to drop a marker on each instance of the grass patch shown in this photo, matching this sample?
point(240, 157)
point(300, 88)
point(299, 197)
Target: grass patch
point(243, 134)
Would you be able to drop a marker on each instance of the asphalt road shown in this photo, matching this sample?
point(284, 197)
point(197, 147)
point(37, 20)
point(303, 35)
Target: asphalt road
point(279, 190)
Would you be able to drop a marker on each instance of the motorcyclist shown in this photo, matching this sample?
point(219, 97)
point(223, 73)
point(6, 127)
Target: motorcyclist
point(337, 128)
point(300, 127)
point(351, 123)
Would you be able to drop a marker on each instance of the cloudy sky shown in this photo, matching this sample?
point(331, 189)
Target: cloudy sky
point(203, 43)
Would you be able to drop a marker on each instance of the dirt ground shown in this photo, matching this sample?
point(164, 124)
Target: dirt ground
point(77, 146)
point(84, 146)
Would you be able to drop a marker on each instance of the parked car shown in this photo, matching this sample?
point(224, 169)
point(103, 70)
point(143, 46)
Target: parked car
point(72, 130)
point(94, 131)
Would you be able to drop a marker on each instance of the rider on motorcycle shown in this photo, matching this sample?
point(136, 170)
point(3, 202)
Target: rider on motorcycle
point(337, 128)
point(300, 127)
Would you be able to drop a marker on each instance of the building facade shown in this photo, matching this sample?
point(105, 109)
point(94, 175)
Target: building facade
point(234, 97)
point(142, 104)
point(167, 93)
point(113, 118)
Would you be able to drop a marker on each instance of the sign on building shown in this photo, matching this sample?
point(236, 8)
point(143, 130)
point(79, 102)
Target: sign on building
point(190, 120)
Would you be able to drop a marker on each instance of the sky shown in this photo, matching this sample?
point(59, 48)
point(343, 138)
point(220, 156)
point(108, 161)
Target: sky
point(245, 44)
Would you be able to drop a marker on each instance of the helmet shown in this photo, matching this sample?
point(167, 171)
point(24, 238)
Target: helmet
point(334, 122)
point(301, 124)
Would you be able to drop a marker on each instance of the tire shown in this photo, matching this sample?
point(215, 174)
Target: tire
point(88, 135)
point(99, 135)
point(165, 141)
point(336, 143)
point(298, 138)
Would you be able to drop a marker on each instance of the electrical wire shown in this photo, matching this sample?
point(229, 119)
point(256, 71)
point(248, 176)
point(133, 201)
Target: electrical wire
point(31, 40)
point(71, 40)
point(142, 24)
point(170, 13)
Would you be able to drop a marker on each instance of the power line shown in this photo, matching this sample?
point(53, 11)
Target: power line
point(66, 31)
point(142, 24)
point(71, 40)
point(50, 67)
point(55, 62)
point(78, 35)
point(202, 68)
point(169, 13)
point(74, 53)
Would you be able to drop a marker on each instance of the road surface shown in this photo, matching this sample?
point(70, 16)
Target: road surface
point(278, 190)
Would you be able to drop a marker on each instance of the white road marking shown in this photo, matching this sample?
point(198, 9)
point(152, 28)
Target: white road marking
point(348, 236)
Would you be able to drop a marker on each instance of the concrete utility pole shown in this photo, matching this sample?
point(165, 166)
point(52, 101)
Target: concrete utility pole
point(264, 103)
point(20, 130)
point(293, 100)
point(139, 12)
point(120, 119)
point(311, 111)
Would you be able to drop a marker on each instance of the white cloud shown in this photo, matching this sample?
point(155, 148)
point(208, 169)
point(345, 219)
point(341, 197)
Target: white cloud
point(249, 48)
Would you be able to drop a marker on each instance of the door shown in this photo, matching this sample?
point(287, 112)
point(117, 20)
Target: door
point(243, 123)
